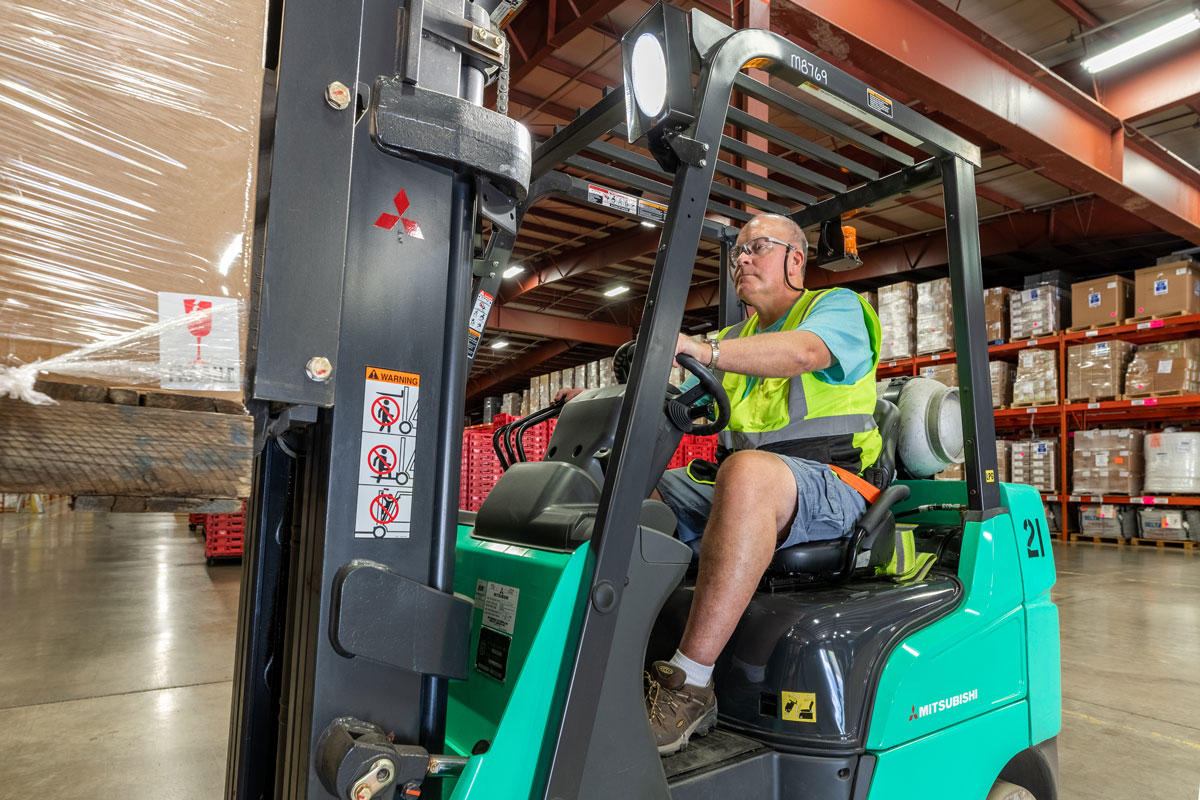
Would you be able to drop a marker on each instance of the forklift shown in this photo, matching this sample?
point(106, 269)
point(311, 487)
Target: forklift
point(392, 646)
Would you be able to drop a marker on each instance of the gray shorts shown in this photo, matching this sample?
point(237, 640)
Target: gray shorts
point(826, 506)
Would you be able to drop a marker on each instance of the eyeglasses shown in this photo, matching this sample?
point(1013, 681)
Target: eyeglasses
point(758, 246)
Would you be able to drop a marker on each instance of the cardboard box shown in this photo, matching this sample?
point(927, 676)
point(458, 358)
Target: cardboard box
point(1164, 368)
point(593, 375)
point(946, 374)
point(1036, 381)
point(871, 298)
point(128, 183)
point(954, 472)
point(1003, 471)
point(1097, 371)
point(1107, 462)
point(1100, 302)
point(607, 376)
point(1035, 462)
point(1035, 312)
point(1003, 374)
point(995, 311)
point(896, 321)
point(579, 377)
point(1166, 290)
point(935, 317)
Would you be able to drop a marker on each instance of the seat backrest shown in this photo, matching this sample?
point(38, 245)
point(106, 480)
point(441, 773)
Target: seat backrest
point(887, 419)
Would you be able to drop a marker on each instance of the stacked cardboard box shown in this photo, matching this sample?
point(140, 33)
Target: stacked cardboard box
point(1003, 374)
point(1167, 289)
point(996, 311)
point(1101, 302)
point(1164, 368)
point(1107, 520)
point(935, 317)
point(1035, 462)
point(1035, 312)
point(511, 404)
point(1108, 462)
point(1097, 371)
point(946, 374)
point(896, 321)
point(1003, 470)
point(871, 298)
point(954, 472)
point(1036, 381)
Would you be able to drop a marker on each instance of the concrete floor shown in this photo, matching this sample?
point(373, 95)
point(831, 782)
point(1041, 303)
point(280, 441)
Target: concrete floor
point(118, 651)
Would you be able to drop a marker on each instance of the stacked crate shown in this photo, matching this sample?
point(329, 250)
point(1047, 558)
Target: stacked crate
point(693, 447)
point(480, 467)
point(224, 534)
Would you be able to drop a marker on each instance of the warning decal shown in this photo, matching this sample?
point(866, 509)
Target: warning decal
point(654, 211)
point(479, 318)
point(799, 706)
point(387, 451)
point(877, 102)
point(610, 199)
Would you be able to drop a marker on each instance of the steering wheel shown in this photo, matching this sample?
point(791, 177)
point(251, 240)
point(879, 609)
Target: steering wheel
point(681, 409)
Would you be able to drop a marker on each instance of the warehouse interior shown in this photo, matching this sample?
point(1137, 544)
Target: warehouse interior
point(148, 314)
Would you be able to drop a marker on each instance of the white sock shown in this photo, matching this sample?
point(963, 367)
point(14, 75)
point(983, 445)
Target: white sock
point(697, 674)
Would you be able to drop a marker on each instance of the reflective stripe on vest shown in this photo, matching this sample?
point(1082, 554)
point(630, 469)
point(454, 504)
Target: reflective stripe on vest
point(797, 428)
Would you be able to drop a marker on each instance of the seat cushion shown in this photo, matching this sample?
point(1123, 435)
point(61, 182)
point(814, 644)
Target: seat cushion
point(810, 558)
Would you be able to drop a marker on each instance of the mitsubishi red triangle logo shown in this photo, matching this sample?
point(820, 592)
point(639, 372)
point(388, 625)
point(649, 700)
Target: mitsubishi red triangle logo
point(913, 715)
point(388, 221)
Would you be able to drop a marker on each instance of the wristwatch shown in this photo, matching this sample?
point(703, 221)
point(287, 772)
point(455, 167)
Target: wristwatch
point(716, 353)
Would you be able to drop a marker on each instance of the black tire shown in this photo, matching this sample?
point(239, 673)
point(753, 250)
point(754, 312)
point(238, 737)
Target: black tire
point(1003, 790)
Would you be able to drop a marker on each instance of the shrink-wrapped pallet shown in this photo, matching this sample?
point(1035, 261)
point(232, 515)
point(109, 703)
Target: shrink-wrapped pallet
point(1035, 462)
point(935, 317)
point(1096, 371)
point(1172, 463)
point(1035, 312)
point(1002, 375)
point(1107, 462)
point(1036, 381)
point(896, 321)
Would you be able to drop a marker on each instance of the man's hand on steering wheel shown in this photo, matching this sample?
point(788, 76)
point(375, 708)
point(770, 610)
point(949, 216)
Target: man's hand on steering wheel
point(697, 350)
point(683, 410)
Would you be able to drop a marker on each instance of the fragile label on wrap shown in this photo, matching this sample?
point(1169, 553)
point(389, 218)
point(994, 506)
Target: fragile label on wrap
point(198, 343)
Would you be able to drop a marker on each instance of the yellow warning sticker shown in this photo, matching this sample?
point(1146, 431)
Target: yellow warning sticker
point(991, 476)
point(393, 376)
point(799, 706)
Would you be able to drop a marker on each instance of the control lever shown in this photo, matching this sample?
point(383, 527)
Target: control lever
point(357, 760)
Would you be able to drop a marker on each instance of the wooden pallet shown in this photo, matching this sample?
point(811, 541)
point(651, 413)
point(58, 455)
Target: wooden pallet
point(1104, 398)
point(1152, 317)
point(1184, 544)
point(1039, 337)
point(127, 450)
point(1099, 326)
point(1143, 395)
point(1033, 405)
point(1080, 537)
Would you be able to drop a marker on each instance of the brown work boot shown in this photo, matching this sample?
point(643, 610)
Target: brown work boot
point(677, 710)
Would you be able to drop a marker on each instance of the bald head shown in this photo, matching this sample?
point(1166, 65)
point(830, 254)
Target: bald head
point(779, 227)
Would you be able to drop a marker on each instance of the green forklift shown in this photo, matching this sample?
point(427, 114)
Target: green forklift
point(513, 666)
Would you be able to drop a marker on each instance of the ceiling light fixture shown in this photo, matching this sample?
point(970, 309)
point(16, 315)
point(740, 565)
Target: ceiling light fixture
point(499, 344)
point(648, 224)
point(616, 290)
point(1147, 41)
point(515, 269)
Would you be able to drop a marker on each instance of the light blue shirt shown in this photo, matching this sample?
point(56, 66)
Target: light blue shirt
point(837, 318)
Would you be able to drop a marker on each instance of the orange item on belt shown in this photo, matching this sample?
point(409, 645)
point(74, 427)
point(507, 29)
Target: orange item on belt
point(868, 490)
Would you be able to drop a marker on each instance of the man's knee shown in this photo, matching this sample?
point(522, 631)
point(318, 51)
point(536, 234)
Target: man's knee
point(757, 481)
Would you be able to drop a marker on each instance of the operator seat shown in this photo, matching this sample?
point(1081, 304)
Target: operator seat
point(873, 532)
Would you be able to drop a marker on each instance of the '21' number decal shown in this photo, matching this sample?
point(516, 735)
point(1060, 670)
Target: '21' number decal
point(1034, 545)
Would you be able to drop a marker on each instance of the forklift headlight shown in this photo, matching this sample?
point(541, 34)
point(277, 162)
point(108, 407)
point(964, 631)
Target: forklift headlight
point(648, 71)
point(656, 61)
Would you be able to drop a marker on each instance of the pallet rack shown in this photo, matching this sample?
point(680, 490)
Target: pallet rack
point(1069, 417)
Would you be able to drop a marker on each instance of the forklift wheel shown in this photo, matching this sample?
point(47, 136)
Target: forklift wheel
point(1003, 790)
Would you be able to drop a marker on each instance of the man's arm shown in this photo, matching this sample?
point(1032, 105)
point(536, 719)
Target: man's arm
point(783, 354)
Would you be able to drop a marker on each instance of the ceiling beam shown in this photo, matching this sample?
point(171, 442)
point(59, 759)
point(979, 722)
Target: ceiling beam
point(552, 326)
point(1155, 87)
point(581, 74)
point(1085, 18)
point(515, 367)
point(542, 28)
point(1005, 96)
point(612, 250)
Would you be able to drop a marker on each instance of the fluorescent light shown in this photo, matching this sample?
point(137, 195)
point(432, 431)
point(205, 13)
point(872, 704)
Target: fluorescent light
point(515, 269)
point(1147, 41)
point(648, 224)
point(616, 290)
point(499, 344)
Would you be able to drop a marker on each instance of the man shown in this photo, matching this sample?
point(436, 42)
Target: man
point(800, 375)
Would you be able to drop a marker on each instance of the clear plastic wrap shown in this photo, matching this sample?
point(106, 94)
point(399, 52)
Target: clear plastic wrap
point(1036, 381)
point(130, 133)
point(935, 317)
point(1164, 368)
point(1097, 371)
point(1002, 375)
point(1107, 520)
point(1035, 462)
point(1035, 312)
point(1107, 462)
point(1173, 463)
point(1171, 525)
point(896, 321)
